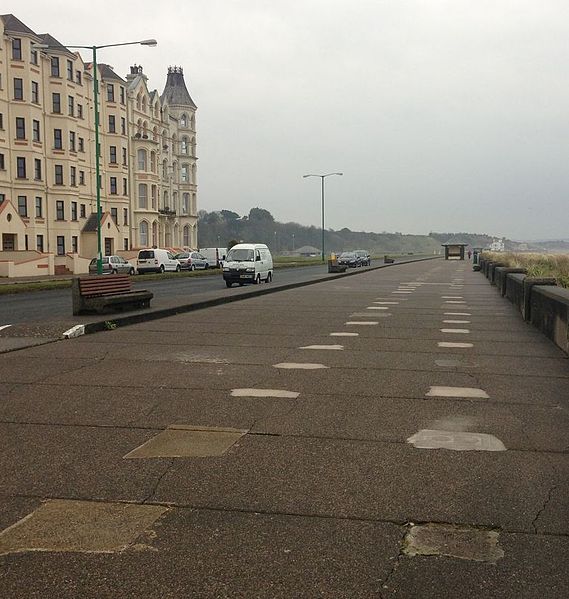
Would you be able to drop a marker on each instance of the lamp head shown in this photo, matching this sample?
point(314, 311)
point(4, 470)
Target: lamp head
point(148, 43)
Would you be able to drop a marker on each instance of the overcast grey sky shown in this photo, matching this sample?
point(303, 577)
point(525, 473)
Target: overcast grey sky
point(446, 115)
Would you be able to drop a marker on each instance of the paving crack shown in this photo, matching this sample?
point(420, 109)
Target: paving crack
point(387, 579)
point(543, 507)
point(158, 481)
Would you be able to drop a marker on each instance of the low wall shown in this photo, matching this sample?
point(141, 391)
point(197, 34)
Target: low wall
point(500, 274)
point(540, 301)
point(37, 265)
point(550, 313)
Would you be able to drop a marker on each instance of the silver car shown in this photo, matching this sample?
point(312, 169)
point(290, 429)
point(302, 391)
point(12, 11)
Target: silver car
point(112, 265)
point(192, 260)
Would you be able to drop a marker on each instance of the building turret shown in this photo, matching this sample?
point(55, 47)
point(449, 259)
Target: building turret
point(175, 92)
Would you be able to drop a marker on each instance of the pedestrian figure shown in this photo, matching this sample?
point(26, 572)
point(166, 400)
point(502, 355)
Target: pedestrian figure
point(469, 254)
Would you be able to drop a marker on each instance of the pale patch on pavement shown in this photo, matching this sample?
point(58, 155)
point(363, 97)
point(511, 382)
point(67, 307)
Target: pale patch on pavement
point(452, 297)
point(190, 357)
point(456, 331)
point(6, 326)
point(458, 345)
point(458, 314)
point(344, 334)
point(472, 544)
point(455, 441)
point(185, 441)
point(299, 366)
point(455, 302)
point(80, 526)
point(387, 303)
point(441, 391)
point(264, 393)
point(456, 321)
point(402, 292)
point(377, 308)
point(361, 322)
point(332, 347)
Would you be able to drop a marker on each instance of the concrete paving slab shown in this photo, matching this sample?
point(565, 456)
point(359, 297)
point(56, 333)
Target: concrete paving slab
point(84, 526)
point(185, 441)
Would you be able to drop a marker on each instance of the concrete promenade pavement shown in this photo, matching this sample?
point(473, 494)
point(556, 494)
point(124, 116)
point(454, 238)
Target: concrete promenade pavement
point(402, 433)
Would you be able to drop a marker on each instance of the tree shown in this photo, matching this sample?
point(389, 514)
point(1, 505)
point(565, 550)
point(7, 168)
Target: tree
point(231, 243)
point(260, 215)
point(229, 215)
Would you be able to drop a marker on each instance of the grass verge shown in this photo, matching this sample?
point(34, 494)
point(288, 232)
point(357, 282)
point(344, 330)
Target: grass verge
point(537, 265)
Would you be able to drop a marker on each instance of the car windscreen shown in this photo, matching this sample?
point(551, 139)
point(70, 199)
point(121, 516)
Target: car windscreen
point(145, 254)
point(240, 255)
point(347, 255)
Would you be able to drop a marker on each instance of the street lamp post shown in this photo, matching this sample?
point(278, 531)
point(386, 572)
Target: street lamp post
point(322, 177)
point(149, 42)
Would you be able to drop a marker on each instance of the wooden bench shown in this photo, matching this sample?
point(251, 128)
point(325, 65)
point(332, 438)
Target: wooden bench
point(99, 292)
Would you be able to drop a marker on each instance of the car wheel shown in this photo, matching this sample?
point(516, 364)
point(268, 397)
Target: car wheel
point(114, 271)
point(131, 271)
point(193, 267)
point(228, 283)
point(269, 277)
point(258, 280)
point(241, 284)
point(178, 268)
point(162, 268)
point(206, 266)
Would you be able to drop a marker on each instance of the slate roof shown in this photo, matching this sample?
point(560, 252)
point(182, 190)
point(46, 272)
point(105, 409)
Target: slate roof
point(175, 92)
point(108, 73)
point(49, 40)
point(14, 25)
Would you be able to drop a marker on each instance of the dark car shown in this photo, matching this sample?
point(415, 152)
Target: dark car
point(349, 259)
point(365, 258)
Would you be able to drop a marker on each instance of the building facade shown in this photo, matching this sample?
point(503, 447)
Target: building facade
point(147, 162)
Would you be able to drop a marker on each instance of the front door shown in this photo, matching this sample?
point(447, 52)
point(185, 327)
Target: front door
point(108, 246)
point(8, 242)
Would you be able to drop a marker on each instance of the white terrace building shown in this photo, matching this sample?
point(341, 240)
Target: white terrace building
point(48, 218)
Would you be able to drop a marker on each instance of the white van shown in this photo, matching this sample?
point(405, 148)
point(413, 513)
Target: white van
point(214, 256)
point(156, 260)
point(248, 263)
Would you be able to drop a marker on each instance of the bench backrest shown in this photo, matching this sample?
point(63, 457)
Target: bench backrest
point(104, 285)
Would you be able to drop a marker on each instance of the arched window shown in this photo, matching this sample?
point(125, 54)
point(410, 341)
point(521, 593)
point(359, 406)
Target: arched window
point(153, 196)
point(193, 146)
point(143, 103)
point(138, 100)
point(184, 120)
point(185, 173)
point(166, 204)
point(153, 162)
point(174, 205)
point(193, 207)
point(139, 127)
point(164, 139)
point(155, 233)
point(185, 203)
point(164, 169)
point(143, 233)
point(175, 149)
point(194, 180)
point(156, 111)
point(186, 236)
point(142, 160)
point(142, 195)
point(184, 145)
point(175, 172)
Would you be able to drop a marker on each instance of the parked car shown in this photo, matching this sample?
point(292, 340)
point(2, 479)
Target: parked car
point(112, 265)
point(156, 260)
point(192, 260)
point(364, 256)
point(349, 259)
point(248, 263)
point(215, 256)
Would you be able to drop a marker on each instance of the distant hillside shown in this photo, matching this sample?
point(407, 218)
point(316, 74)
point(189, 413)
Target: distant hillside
point(218, 228)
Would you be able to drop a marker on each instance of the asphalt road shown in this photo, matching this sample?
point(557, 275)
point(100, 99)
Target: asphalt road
point(52, 306)
point(401, 433)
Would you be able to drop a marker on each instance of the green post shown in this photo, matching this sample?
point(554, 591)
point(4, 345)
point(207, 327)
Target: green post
point(322, 178)
point(97, 160)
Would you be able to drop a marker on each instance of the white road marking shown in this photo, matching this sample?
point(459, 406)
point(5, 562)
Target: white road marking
point(333, 347)
point(377, 308)
point(299, 366)
point(361, 322)
point(456, 331)
point(387, 303)
point(450, 344)
point(456, 321)
point(402, 292)
point(458, 314)
point(454, 302)
point(5, 326)
point(455, 441)
point(441, 391)
point(452, 297)
point(344, 334)
point(264, 393)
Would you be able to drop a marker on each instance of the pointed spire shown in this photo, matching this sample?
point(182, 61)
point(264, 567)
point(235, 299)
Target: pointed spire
point(175, 92)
